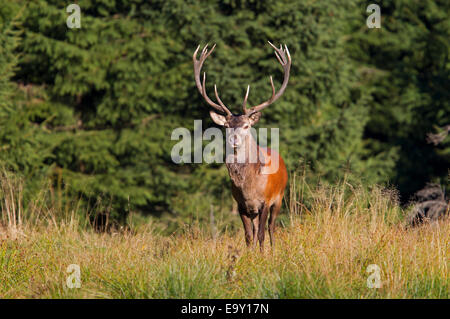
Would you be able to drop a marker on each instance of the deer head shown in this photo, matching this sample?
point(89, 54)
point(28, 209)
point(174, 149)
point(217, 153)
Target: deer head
point(242, 123)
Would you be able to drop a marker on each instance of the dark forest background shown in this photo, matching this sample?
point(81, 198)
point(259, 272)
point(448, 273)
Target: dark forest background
point(89, 112)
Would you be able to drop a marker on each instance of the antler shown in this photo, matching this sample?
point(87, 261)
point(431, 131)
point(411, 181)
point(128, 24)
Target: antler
point(284, 58)
point(201, 87)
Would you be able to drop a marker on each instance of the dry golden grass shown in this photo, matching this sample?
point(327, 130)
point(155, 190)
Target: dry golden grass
point(324, 252)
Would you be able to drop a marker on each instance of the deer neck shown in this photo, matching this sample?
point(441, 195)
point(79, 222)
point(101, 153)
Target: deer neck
point(244, 163)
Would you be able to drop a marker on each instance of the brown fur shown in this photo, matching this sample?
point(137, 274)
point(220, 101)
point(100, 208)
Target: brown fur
point(257, 194)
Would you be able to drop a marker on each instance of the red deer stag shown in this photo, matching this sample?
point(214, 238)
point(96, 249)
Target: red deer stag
point(257, 186)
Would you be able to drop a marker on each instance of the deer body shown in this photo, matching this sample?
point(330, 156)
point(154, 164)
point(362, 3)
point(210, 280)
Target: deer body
point(258, 194)
point(257, 185)
point(251, 188)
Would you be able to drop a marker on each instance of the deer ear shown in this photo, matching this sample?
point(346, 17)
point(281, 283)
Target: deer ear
point(217, 118)
point(254, 118)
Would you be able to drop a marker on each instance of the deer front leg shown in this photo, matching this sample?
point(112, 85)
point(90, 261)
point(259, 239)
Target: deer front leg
point(255, 221)
point(262, 226)
point(247, 222)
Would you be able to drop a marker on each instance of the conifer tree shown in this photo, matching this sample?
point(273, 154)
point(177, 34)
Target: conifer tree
point(93, 108)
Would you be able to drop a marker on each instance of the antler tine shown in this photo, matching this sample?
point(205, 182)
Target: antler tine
point(273, 89)
point(198, 64)
point(205, 52)
point(220, 101)
point(272, 45)
point(245, 100)
point(287, 52)
point(284, 57)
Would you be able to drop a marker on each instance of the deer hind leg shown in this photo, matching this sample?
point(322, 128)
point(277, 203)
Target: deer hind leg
point(274, 211)
point(262, 226)
point(247, 222)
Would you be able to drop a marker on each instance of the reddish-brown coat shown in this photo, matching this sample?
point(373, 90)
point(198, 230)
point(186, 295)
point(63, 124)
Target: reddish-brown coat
point(276, 181)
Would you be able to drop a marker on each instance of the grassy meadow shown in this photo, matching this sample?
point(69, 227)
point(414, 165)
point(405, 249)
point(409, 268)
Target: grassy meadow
point(331, 236)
